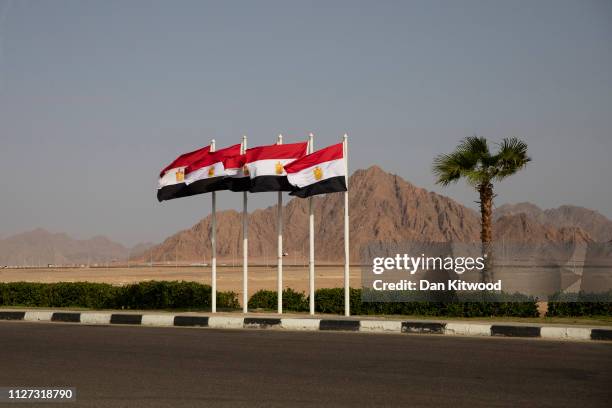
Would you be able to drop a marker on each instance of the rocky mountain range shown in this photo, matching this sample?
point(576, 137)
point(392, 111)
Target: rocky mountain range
point(41, 248)
point(598, 226)
point(383, 207)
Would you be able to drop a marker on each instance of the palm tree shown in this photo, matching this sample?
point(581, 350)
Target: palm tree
point(473, 161)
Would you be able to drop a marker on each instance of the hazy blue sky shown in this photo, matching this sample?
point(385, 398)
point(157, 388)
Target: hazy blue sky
point(97, 96)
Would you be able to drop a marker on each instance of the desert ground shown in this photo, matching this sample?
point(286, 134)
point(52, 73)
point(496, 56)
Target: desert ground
point(228, 277)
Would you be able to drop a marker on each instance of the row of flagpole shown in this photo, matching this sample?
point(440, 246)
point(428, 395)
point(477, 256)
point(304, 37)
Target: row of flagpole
point(279, 226)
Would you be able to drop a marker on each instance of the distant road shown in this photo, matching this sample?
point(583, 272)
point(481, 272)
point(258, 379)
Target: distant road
point(169, 367)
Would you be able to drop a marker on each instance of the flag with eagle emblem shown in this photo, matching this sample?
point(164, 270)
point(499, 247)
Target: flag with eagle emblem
point(209, 173)
point(321, 172)
point(266, 165)
point(238, 175)
point(171, 182)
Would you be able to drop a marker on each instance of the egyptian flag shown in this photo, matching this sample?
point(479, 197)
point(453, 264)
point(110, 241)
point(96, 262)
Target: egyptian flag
point(321, 172)
point(237, 173)
point(266, 166)
point(171, 182)
point(209, 174)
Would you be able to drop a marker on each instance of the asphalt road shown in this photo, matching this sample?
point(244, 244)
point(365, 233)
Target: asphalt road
point(170, 367)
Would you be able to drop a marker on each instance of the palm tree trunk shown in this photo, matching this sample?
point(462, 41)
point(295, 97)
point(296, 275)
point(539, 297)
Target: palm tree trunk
point(486, 232)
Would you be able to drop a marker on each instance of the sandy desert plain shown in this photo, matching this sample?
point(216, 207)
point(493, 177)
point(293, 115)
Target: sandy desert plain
point(229, 278)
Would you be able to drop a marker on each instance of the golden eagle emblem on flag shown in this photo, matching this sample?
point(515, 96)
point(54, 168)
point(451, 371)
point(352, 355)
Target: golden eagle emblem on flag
point(318, 173)
point(279, 168)
point(245, 170)
point(211, 171)
point(180, 175)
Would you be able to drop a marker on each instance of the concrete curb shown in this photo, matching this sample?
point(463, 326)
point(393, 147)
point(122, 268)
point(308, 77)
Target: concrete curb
point(352, 325)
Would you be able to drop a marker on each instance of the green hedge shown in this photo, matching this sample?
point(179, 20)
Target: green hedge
point(143, 295)
point(267, 299)
point(332, 301)
point(580, 304)
point(191, 295)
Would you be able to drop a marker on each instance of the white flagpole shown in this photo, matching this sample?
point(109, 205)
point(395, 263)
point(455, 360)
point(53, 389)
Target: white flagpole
point(311, 261)
point(279, 226)
point(213, 241)
point(245, 243)
point(347, 306)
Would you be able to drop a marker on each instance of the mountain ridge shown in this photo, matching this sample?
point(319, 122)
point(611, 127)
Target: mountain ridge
point(596, 224)
point(383, 207)
point(42, 247)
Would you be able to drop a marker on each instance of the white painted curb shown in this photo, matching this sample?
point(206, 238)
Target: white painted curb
point(226, 322)
point(380, 326)
point(468, 329)
point(95, 318)
point(458, 328)
point(157, 320)
point(565, 333)
point(38, 316)
point(300, 324)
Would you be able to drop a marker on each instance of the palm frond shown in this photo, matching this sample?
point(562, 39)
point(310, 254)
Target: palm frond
point(468, 160)
point(474, 146)
point(451, 167)
point(448, 168)
point(512, 157)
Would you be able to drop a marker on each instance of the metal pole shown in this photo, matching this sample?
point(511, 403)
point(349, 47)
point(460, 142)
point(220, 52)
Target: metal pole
point(245, 243)
point(347, 306)
point(213, 241)
point(279, 227)
point(311, 258)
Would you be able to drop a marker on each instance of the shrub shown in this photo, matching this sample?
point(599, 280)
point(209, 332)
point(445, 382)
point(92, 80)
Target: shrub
point(267, 299)
point(331, 301)
point(143, 295)
point(580, 304)
point(192, 295)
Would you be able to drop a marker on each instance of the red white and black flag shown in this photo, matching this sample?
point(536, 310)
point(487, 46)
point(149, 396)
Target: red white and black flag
point(238, 174)
point(208, 173)
point(321, 172)
point(266, 166)
point(171, 182)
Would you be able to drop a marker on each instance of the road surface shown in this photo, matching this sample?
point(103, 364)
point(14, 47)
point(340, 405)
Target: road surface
point(174, 367)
